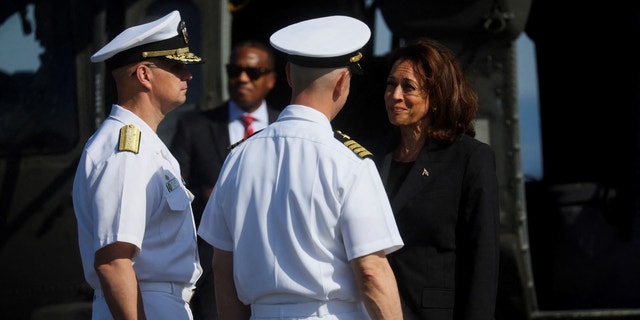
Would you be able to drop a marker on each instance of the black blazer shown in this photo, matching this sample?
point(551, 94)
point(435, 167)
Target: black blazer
point(447, 211)
point(200, 146)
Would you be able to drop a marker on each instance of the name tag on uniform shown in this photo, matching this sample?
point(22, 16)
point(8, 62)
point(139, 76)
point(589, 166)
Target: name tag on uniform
point(173, 184)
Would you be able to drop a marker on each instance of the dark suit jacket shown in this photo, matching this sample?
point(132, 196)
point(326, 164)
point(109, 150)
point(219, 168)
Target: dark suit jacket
point(447, 211)
point(200, 146)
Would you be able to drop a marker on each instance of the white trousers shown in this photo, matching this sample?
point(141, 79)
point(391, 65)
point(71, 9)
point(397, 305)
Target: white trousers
point(162, 300)
point(327, 310)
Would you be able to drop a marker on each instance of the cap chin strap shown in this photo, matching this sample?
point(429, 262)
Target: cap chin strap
point(180, 55)
point(327, 62)
point(162, 53)
point(356, 58)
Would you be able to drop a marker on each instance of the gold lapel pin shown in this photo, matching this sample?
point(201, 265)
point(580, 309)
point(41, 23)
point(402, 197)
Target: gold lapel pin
point(425, 172)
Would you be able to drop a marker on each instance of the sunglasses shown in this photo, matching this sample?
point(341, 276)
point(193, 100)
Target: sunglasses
point(234, 71)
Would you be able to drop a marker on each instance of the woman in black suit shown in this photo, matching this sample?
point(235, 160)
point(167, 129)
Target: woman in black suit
point(443, 188)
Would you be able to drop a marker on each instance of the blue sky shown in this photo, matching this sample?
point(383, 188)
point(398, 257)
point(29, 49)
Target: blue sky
point(18, 53)
point(529, 105)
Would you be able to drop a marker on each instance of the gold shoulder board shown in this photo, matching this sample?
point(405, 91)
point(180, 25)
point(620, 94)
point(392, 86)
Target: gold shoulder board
point(235, 144)
point(129, 139)
point(352, 145)
point(241, 141)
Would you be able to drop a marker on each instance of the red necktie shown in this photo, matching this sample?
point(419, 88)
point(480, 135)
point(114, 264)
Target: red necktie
point(247, 120)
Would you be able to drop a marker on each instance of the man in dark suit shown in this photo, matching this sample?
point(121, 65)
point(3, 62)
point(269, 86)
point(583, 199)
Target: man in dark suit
point(201, 140)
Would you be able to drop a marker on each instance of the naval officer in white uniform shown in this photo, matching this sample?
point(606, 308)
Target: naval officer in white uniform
point(135, 225)
point(299, 219)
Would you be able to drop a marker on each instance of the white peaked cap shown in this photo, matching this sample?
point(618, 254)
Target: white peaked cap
point(326, 42)
point(165, 38)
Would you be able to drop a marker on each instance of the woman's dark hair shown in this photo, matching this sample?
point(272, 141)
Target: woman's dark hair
point(453, 104)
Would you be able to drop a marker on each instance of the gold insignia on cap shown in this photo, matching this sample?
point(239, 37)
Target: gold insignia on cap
point(352, 145)
point(187, 57)
point(182, 29)
point(129, 139)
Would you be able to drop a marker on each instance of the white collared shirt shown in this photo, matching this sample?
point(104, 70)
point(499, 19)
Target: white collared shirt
point(295, 205)
point(138, 198)
point(236, 127)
